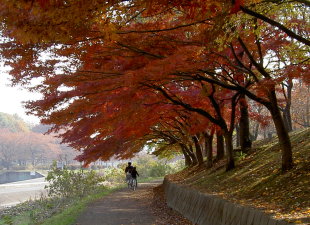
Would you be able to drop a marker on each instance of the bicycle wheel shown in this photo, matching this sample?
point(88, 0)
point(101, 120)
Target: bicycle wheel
point(130, 183)
point(134, 184)
point(128, 180)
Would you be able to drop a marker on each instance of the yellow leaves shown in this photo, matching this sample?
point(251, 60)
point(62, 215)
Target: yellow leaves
point(297, 161)
point(254, 1)
point(111, 32)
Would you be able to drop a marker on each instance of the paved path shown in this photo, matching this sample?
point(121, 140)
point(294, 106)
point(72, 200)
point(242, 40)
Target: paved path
point(17, 192)
point(123, 207)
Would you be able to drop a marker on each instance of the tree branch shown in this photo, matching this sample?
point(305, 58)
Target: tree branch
point(276, 24)
point(259, 67)
point(161, 30)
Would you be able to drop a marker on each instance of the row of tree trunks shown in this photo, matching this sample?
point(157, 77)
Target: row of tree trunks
point(282, 123)
point(192, 157)
point(189, 155)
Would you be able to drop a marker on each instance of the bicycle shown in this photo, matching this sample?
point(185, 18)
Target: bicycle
point(133, 183)
point(128, 180)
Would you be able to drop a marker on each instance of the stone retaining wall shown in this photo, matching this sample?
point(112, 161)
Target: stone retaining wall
point(204, 209)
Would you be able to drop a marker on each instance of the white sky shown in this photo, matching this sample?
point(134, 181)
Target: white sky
point(11, 98)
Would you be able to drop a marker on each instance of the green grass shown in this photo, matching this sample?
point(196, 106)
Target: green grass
point(23, 219)
point(69, 215)
point(149, 179)
point(66, 216)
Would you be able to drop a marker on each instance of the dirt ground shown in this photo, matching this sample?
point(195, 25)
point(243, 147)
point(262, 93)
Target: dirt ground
point(145, 206)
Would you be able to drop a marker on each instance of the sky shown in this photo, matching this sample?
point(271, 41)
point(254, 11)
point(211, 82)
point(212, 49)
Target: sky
point(11, 98)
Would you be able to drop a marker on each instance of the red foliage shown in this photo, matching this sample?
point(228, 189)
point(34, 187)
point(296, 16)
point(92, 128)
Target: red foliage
point(103, 87)
point(236, 5)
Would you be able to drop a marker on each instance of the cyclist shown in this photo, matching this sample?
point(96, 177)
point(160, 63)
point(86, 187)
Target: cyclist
point(128, 171)
point(134, 175)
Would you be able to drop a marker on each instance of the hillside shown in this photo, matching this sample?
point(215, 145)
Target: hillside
point(258, 181)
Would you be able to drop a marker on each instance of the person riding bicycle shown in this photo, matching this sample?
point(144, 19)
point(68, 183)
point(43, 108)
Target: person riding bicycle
point(128, 171)
point(133, 183)
point(134, 173)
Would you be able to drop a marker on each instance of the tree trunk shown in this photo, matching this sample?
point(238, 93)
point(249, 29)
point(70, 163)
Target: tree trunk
point(209, 149)
point(229, 151)
point(245, 141)
point(284, 139)
point(204, 150)
point(219, 146)
point(192, 155)
point(198, 150)
point(188, 161)
point(307, 119)
point(287, 119)
point(287, 110)
point(255, 132)
point(237, 135)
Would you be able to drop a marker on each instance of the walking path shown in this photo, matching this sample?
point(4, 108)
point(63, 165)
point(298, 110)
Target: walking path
point(123, 207)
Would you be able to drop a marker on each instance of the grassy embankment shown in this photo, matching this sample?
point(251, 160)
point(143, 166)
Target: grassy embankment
point(25, 213)
point(258, 181)
point(69, 215)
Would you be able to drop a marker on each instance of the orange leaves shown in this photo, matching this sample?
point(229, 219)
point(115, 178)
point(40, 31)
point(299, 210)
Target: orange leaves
point(107, 57)
point(215, 7)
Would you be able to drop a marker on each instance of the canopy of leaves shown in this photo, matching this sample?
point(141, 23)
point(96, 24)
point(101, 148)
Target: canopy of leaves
point(114, 72)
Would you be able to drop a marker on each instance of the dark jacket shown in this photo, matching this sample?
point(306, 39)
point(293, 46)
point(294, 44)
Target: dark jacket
point(128, 169)
point(134, 173)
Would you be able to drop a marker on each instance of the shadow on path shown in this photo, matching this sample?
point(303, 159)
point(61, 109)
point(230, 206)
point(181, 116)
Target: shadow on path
point(123, 207)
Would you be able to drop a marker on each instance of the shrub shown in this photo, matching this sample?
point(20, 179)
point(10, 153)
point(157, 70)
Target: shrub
point(68, 183)
point(150, 166)
point(114, 175)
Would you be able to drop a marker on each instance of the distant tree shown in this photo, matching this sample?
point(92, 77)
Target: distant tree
point(8, 146)
point(23, 148)
point(40, 128)
point(13, 123)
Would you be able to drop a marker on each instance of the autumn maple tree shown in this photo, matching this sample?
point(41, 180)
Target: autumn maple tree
point(110, 70)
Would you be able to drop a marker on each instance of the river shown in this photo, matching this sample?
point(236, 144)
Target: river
point(17, 192)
